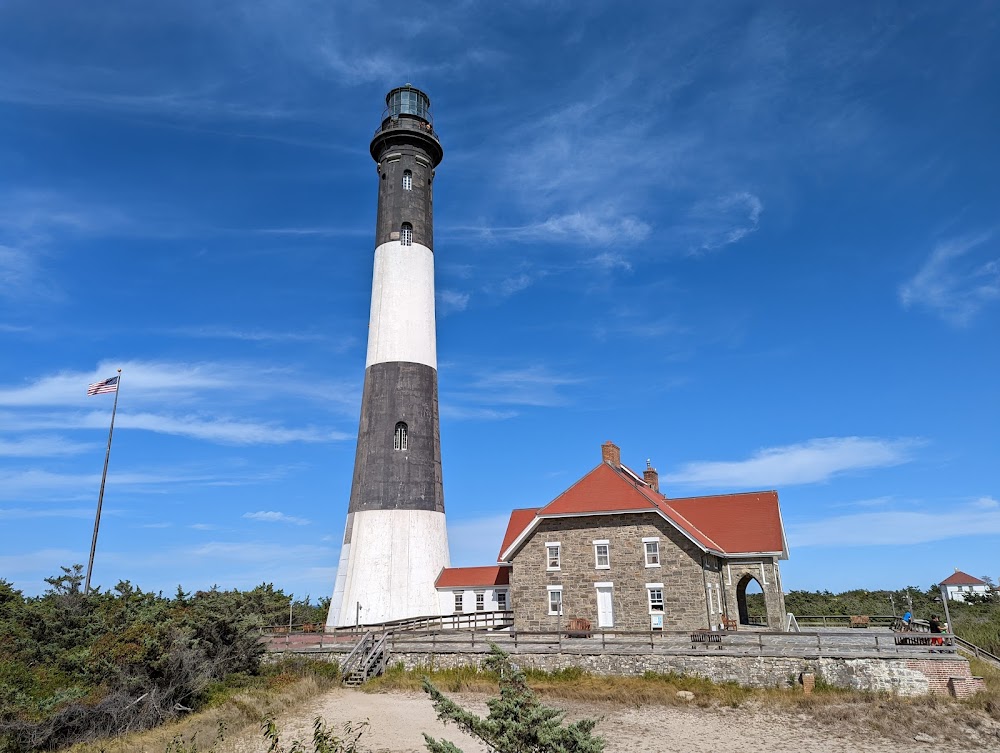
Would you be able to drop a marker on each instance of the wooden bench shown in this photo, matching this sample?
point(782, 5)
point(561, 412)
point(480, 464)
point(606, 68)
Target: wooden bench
point(728, 624)
point(578, 627)
point(860, 620)
point(704, 637)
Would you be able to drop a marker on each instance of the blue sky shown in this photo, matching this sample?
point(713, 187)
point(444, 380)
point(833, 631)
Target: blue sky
point(758, 244)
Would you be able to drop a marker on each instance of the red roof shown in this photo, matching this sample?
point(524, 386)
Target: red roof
point(519, 520)
point(492, 575)
point(958, 578)
point(747, 523)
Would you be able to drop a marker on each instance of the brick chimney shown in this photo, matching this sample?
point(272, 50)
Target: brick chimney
point(612, 454)
point(651, 477)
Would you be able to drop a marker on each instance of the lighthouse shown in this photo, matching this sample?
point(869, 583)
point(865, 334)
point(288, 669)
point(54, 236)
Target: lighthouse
point(395, 541)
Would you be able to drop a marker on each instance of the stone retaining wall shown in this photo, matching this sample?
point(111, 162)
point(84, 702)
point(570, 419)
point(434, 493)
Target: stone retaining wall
point(947, 675)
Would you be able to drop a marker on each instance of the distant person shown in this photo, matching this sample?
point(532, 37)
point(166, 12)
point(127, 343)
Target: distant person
point(906, 620)
point(935, 625)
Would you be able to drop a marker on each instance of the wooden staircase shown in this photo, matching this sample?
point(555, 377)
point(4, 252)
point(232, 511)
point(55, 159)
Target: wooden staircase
point(367, 659)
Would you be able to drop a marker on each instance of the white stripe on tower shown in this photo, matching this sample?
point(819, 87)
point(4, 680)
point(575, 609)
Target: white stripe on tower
point(401, 327)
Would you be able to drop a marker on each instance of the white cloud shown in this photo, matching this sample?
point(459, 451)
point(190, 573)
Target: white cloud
point(723, 220)
point(41, 446)
point(247, 335)
point(21, 513)
point(809, 462)
point(897, 528)
point(601, 228)
point(450, 301)
point(275, 517)
point(534, 385)
point(46, 485)
point(957, 280)
point(207, 428)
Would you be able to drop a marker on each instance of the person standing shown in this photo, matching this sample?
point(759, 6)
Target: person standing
point(935, 625)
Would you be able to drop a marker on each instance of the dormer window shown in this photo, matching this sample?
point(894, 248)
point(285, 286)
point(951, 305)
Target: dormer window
point(406, 234)
point(407, 180)
point(399, 437)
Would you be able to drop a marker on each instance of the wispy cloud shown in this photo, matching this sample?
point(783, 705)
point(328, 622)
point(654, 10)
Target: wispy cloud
point(275, 517)
point(898, 527)
point(23, 513)
point(41, 446)
point(251, 335)
point(810, 462)
point(176, 382)
point(534, 386)
point(45, 485)
point(451, 301)
point(592, 228)
point(959, 278)
point(722, 220)
point(205, 427)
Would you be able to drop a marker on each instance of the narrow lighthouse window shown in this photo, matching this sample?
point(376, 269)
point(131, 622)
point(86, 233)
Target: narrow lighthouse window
point(407, 180)
point(399, 438)
point(406, 234)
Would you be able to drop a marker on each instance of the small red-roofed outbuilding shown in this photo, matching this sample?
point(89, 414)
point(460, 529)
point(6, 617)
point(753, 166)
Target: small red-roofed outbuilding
point(960, 585)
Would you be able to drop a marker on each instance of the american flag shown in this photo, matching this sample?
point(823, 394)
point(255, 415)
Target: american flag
point(99, 388)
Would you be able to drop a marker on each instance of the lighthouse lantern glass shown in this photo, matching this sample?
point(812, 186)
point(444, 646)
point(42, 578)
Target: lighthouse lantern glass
point(409, 102)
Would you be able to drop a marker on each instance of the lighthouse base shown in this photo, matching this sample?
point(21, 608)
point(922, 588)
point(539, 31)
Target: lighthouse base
point(388, 565)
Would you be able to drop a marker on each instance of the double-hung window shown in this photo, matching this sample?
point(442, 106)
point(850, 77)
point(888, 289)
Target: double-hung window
point(555, 599)
point(552, 555)
point(651, 550)
point(655, 591)
point(480, 601)
point(502, 601)
point(458, 600)
point(602, 555)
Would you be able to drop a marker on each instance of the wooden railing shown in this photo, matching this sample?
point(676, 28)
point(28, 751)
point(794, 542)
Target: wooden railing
point(843, 643)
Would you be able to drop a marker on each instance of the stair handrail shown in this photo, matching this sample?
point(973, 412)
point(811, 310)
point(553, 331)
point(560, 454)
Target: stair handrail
point(356, 653)
point(979, 653)
point(377, 650)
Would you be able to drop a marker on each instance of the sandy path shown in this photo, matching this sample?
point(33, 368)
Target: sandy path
point(398, 719)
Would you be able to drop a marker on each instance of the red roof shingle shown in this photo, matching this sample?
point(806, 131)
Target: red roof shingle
point(458, 577)
point(747, 523)
point(958, 578)
point(519, 520)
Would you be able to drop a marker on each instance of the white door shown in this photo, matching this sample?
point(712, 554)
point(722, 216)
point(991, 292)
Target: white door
point(605, 612)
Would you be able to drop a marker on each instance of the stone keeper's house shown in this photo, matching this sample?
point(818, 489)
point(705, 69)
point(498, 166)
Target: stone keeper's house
point(613, 550)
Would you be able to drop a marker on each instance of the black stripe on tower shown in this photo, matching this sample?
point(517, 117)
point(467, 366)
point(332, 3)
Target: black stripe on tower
point(390, 474)
point(414, 205)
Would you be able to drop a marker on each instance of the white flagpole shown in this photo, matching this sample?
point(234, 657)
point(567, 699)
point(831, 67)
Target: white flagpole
point(100, 497)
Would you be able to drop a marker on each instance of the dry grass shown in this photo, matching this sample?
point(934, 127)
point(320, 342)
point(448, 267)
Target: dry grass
point(239, 713)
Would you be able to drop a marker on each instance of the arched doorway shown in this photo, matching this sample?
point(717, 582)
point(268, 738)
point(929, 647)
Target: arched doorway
point(750, 601)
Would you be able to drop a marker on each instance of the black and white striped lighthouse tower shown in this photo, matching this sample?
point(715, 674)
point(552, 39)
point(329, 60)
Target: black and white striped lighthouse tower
point(395, 542)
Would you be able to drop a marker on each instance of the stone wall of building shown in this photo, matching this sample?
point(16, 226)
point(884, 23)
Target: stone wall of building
point(683, 571)
point(904, 677)
point(765, 571)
